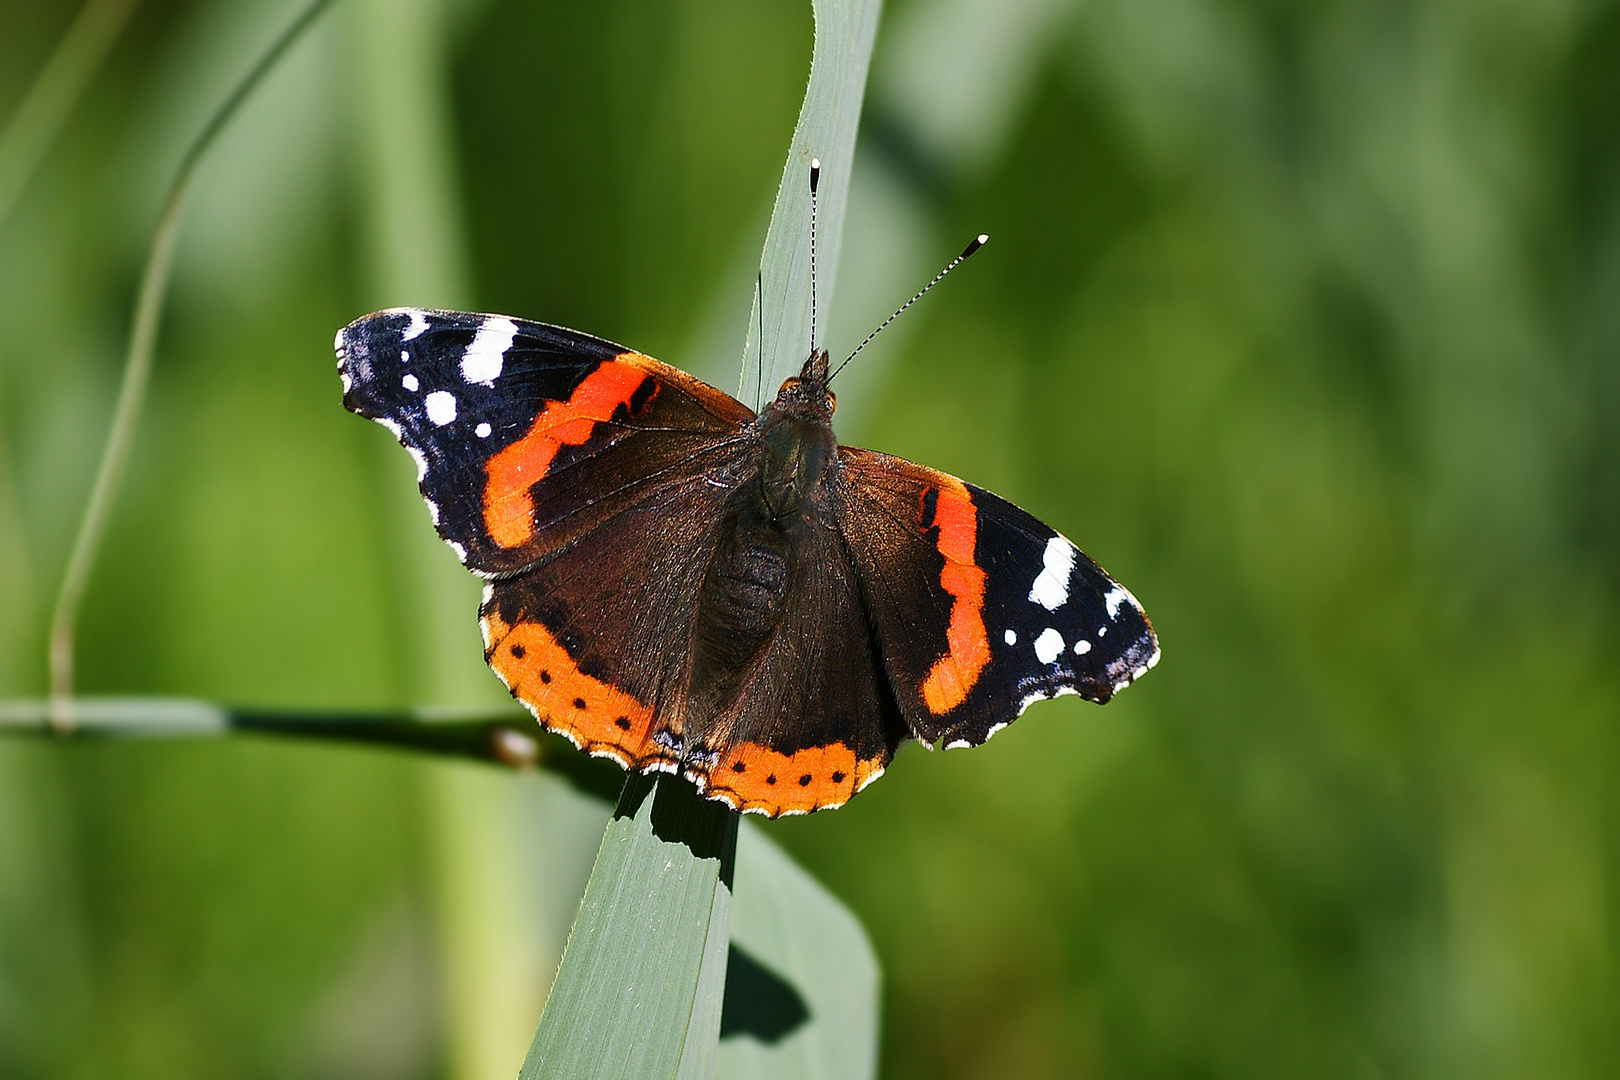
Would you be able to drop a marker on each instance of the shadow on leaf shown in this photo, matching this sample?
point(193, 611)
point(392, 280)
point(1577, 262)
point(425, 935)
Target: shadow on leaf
point(759, 1002)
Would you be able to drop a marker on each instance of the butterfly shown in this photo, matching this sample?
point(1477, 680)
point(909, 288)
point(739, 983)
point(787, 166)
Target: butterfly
point(681, 584)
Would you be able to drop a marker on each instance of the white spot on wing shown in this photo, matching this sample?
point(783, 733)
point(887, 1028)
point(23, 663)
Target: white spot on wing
point(1048, 646)
point(1051, 588)
point(482, 431)
point(417, 328)
point(1010, 637)
point(441, 407)
point(1115, 597)
point(348, 383)
point(1082, 647)
point(481, 363)
point(461, 552)
point(409, 382)
point(959, 744)
point(392, 427)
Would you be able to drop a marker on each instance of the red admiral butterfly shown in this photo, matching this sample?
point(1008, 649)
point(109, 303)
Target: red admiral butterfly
point(682, 585)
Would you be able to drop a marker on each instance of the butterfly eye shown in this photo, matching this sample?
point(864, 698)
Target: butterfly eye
point(790, 383)
point(832, 401)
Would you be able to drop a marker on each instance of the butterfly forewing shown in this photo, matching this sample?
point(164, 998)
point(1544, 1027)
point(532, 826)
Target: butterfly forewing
point(1010, 611)
point(500, 414)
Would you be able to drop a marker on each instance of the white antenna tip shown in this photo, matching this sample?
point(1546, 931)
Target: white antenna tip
point(815, 163)
point(984, 238)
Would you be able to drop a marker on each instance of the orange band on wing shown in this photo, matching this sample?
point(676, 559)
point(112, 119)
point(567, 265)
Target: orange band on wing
point(953, 675)
point(749, 776)
point(593, 715)
point(508, 507)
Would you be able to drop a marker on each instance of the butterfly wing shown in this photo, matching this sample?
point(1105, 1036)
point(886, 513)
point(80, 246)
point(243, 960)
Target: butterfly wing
point(528, 437)
point(597, 639)
point(980, 608)
point(586, 481)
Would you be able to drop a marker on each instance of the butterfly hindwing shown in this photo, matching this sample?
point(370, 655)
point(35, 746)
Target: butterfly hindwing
point(501, 414)
point(981, 608)
point(596, 640)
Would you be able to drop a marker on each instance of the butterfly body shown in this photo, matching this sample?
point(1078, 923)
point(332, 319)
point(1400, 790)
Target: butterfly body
point(684, 585)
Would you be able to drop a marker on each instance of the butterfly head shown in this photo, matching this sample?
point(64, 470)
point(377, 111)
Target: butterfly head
point(805, 396)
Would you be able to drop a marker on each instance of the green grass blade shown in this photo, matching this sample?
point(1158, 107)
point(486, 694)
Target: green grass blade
point(138, 370)
point(631, 991)
point(500, 736)
point(804, 1003)
point(779, 324)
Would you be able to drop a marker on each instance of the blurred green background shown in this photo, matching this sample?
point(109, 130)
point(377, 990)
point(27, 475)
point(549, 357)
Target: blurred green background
point(1304, 320)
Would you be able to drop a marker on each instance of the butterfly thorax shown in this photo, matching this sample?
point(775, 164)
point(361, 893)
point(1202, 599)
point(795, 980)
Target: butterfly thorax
point(797, 440)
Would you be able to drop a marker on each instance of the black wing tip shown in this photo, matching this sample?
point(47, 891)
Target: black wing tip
point(364, 344)
point(1142, 656)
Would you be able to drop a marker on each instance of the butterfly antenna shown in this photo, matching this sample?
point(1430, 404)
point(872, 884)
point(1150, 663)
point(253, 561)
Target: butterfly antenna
point(815, 178)
point(978, 242)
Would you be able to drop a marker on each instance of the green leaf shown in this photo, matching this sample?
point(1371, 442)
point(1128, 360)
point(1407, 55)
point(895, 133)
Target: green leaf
point(643, 974)
point(779, 324)
point(798, 946)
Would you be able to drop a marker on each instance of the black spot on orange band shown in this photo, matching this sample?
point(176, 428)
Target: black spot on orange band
point(751, 777)
point(595, 716)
